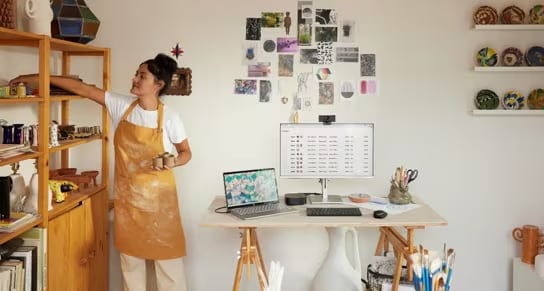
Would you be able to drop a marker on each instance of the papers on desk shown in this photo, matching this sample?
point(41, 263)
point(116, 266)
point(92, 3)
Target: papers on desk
point(382, 203)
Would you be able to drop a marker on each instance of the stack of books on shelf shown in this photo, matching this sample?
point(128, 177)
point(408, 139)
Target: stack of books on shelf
point(24, 268)
point(15, 220)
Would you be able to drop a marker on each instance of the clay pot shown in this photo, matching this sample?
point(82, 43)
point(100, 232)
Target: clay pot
point(529, 236)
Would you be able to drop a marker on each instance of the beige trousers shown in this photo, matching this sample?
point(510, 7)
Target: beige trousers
point(168, 275)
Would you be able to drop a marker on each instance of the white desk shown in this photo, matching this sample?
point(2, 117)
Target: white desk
point(250, 253)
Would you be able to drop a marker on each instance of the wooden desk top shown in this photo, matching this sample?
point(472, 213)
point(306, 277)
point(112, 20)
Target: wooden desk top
point(419, 217)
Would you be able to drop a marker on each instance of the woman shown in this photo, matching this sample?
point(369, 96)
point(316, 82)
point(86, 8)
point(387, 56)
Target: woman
point(147, 223)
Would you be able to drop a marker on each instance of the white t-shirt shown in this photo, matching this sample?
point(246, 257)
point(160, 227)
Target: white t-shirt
point(173, 129)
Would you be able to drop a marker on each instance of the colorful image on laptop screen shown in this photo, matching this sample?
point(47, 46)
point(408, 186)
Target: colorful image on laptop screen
point(250, 187)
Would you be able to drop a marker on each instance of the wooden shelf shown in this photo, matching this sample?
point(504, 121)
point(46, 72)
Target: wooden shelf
point(73, 200)
point(66, 144)
point(509, 27)
point(12, 37)
point(5, 236)
point(19, 157)
point(58, 98)
point(502, 112)
point(509, 69)
point(20, 100)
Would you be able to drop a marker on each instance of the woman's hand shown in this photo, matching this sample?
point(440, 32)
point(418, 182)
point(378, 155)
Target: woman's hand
point(31, 80)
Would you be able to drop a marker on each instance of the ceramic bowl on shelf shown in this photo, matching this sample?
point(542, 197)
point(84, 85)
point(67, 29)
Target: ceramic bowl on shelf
point(512, 57)
point(486, 15)
point(512, 15)
point(513, 100)
point(487, 57)
point(535, 56)
point(535, 99)
point(536, 14)
point(486, 100)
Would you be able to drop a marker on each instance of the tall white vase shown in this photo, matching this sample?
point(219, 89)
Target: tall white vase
point(40, 15)
point(336, 272)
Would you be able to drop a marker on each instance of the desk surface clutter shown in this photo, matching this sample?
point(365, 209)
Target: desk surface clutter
point(419, 216)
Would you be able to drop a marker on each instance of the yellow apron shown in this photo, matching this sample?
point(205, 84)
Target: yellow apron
point(147, 223)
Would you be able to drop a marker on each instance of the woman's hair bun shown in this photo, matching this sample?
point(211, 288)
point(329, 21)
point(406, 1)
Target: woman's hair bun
point(166, 63)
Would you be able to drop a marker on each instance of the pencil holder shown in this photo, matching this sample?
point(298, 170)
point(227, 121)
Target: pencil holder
point(399, 195)
point(529, 236)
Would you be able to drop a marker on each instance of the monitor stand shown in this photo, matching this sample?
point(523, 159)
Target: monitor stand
point(325, 198)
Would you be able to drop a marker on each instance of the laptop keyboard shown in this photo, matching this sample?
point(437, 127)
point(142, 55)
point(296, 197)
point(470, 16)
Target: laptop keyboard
point(262, 210)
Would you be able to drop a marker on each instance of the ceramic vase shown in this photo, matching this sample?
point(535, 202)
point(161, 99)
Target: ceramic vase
point(40, 15)
point(336, 272)
point(529, 236)
point(7, 134)
point(54, 134)
point(18, 133)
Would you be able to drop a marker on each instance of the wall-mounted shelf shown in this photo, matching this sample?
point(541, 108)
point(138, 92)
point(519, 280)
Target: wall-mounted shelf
point(509, 69)
point(502, 112)
point(509, 27)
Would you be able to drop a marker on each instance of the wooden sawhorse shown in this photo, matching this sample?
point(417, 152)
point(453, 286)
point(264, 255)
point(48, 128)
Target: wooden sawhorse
point(250, 253)
point(403, 247)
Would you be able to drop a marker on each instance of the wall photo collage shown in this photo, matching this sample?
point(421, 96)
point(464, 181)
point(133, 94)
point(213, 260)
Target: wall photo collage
point(296, 56)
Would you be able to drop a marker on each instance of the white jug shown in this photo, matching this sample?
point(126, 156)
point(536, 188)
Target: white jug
point(336, 272)
point(39, 15)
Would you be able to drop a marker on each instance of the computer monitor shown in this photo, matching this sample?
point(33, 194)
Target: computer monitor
point(327, 151)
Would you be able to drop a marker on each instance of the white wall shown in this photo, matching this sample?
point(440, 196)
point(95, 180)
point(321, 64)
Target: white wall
point(481, 173)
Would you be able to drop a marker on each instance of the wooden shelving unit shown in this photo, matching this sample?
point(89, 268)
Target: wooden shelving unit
point(77, 229)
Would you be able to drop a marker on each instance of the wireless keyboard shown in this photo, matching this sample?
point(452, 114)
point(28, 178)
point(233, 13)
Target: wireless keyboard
point(333, 211)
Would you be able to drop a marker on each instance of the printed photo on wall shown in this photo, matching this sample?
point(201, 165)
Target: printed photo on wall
point(253, 29)
point(261, 69)
point(347, 31)
point(323, 73)
point(347, 89)
point(245, 87)
point(306, 104)
point(265, 91)
point(285, 65)
point(324, 53)
point(304, 23)
point(326, 16)
point(308, 56)
point(369, 87)
point(368, 65)
point(326, 93)
point(269, 46)
point(249, 52)
point(304, 84)
point(287, 45)
point(272, 19)
point(326, 34)
point(347, 54)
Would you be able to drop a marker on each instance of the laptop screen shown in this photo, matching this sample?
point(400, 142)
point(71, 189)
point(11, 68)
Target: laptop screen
point(250, 187)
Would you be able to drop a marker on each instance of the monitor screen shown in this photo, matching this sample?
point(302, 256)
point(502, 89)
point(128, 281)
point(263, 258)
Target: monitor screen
point(336, 150)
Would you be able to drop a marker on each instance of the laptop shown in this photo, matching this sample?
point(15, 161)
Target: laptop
point(252, 194)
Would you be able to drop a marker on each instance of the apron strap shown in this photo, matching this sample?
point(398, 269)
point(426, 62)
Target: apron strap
point(160, 113)
point(129, 109)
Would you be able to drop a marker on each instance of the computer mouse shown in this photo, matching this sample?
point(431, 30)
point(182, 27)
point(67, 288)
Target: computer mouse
point(379, 214)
